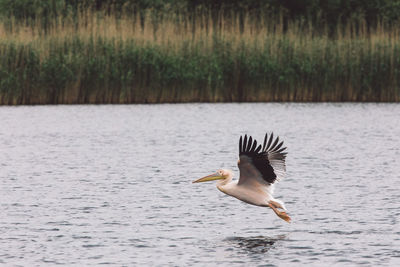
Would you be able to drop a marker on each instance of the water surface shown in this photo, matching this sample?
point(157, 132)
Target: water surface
point(90, 185)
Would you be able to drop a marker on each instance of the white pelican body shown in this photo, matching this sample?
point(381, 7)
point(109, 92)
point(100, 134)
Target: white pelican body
point(257, 195)
point(259, 168)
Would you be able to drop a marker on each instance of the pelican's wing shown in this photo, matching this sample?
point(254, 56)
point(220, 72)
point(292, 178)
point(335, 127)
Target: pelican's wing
point(265, 164)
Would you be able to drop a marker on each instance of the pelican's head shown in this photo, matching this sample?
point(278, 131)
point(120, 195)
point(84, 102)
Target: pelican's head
point(221, 174)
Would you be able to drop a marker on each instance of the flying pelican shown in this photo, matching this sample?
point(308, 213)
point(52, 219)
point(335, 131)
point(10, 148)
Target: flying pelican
point(260, 166)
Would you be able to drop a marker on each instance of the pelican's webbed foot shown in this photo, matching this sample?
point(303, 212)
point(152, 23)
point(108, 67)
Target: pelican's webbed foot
point(281, 214)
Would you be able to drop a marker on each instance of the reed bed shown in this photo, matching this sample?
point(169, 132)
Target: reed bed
point(166, 58)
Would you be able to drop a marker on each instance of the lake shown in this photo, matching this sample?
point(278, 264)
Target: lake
point(91, 185)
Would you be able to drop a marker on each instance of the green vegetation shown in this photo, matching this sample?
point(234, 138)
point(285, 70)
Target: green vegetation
point(59, 51)
point(326, 11)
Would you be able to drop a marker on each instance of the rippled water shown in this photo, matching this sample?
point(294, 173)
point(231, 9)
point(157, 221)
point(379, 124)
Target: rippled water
point(90, 185)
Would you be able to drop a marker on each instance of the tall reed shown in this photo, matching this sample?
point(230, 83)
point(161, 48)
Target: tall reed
point(178, 57)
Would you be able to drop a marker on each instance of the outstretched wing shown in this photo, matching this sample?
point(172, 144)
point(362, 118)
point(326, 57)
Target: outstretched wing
point(266, 163)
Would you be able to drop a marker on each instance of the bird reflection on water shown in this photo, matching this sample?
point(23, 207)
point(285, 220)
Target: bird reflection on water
point(255, 244)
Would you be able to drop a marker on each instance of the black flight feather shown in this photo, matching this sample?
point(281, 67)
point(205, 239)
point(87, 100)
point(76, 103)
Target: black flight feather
point(265, 140)
point(269, 141)
point(261, 155)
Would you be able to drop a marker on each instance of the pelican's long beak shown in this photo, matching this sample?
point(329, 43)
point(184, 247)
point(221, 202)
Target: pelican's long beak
point(211, 177)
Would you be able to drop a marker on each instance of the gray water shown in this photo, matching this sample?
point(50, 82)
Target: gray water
point(91, 185)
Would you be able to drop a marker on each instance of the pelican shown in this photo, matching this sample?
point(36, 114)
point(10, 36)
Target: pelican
point(260, 167)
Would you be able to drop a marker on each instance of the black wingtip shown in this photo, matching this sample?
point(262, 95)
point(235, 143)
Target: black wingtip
point(249, 144)
point(281, 150)
point(276, 142)
point(244, 143)
point(270, 144)
point(271, 137)
point(254, 146)
point(279, 146)
point(265, 141)
point(258, 149)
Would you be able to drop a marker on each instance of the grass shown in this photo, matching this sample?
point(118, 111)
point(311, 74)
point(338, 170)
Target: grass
point(97, 58)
